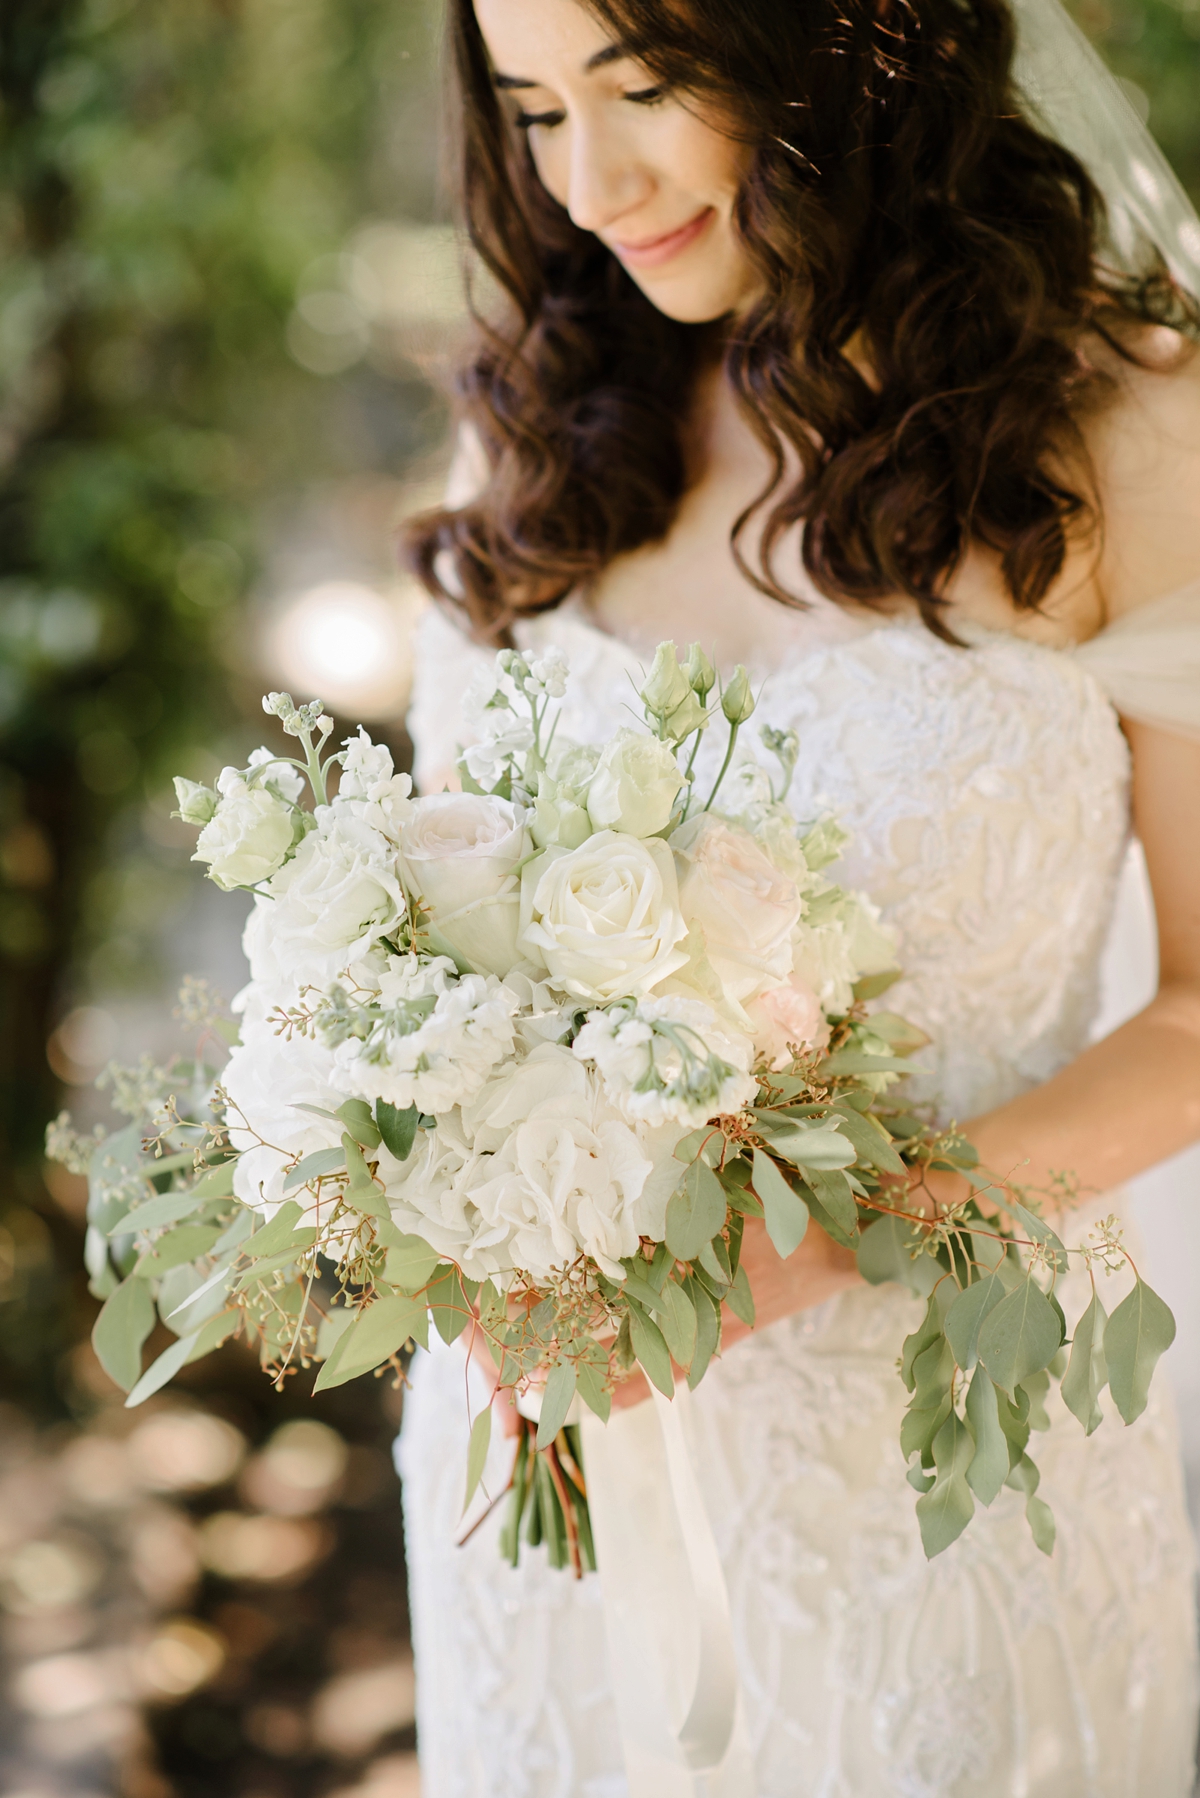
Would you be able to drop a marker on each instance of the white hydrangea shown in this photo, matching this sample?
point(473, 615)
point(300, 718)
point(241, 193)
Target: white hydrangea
point(432, 1038)
point(668, 1060)
point(268, 1080)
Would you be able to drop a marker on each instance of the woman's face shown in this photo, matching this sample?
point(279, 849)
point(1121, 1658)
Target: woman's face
point(628, 160)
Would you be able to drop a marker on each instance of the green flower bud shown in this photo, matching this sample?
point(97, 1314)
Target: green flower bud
point(700, 671)
point(667, 686)
point(737, 701)
point(196, 803)
point(686, 718)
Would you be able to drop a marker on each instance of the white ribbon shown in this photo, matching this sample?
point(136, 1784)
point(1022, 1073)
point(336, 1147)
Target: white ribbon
point(666, 1608)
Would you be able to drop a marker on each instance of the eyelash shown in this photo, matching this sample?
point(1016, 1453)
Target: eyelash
point(648, 96)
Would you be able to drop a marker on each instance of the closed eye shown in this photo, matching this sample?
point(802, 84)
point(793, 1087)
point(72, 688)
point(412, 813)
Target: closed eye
point(524, 120)
point(647, 96)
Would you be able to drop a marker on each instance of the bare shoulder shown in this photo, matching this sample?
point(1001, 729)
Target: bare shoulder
point(1144, 444)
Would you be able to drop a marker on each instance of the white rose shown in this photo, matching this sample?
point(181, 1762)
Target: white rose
point(458, 852)
point(635, 787)
point(786, 1017)
point(337, 896)
point(249, 835)
point(604, 919)
point(738, 902)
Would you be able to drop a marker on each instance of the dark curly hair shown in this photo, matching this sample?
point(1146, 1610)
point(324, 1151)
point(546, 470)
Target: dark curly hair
point(895, 196)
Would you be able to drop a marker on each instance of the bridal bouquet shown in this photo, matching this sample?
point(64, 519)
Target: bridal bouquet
point(522, 1060)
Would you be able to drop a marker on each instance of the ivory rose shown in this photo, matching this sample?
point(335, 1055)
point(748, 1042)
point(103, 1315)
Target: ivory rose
point(458, 853)
point(604, 919)
point(738, 903)
point(635, 786)
point(249, 834)
point(339, 894)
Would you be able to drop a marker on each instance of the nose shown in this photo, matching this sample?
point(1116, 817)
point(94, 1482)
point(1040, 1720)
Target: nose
point(605, 179)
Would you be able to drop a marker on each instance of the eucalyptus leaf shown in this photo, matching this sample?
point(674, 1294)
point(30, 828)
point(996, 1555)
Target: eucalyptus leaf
point(410, 1263)
point(695, 1211)
point(821, 1147)
point(1087, 1370)
point(166, 1208)
point(708, 1329)
point(967, 1316)
point(321, 1161)
point(448, 1303)
point(785, 1211)
point(834, 1208)
point(893, 1249)
point(1025, 1478)
point(945, 1511)
point(274, 1234)
point(1138, 1332)
point(477, 1451)
point(740, 1299)
point(914, 1346)
point(1037, 1228)
point(120, 1330)
point(677, 1321)
point(871, 1143)
point(188, 1242)
point(165, 1368)
point(1019, 1336)
point(359, 1121)
point(593, 1390)
point(990, 1463)
point(361, 1191)
point(376, 1334)
point(397, 1128)
point(651, 1351)
point(557, 1395)
point(860, 1061)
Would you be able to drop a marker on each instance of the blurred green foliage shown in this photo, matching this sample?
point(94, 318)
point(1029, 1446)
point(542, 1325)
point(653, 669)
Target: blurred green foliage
point(168, 171)
point(1154, 45)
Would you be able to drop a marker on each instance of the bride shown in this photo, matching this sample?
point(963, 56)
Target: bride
point(820, 352)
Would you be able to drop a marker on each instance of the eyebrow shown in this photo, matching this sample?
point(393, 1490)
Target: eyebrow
point(610, 53)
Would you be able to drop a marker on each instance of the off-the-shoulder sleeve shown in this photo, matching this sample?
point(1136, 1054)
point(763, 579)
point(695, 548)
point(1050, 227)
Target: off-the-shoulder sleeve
point(444, 661)
point(1148, 662)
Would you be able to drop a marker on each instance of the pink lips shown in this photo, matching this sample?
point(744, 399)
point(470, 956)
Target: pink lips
point(652, 252)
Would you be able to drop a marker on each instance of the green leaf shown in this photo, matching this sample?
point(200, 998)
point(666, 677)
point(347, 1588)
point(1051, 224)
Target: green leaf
point(359, 1120)
point(477, 1451)
point(989, 1465)
point(1020, 1336)
point(945, 1511)
point(650, 1350)
point(361, 1191)
point(1040, 1518)
point(559, 1390)
point(872, 1144)
point(374, 1337)
point(121, 1329)
point(265, 1265)
point(740, 1299)
point(708, 1329)
point(885, 1253)
point(967, 1316)
point(933, 1372)
point(410, 1263)
point(859, 1061)
point(900, 1034)
point(186, 1243)
point(321, 1161)
point(165, 1368)
point(275, 1234)
point(835, 1209)
point(167, 1208)
point(592, 1388)
point(677, 1321)
point(640, 1289)
point(821, 1147)
point(397, 1128)
point(914, 1346)
point(448, 1303)
point(695, 1211)
point(784, 1209)
point(212, 1334)
point(1138, 1332)
point(705, 1141)
point(870, 986)
point(1035, 1227)
point(1087, 1370)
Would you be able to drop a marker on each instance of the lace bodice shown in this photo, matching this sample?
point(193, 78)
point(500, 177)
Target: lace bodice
point(986, 790)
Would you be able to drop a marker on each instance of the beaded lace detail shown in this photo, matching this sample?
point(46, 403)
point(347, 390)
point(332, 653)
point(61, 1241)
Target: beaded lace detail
point(987, 792)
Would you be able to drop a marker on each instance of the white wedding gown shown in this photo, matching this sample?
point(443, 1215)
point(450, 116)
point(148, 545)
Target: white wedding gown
point(987, 792)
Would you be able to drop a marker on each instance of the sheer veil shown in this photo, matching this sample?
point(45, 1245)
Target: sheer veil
point(1072, 96)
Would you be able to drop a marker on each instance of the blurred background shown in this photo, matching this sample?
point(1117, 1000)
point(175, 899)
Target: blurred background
point(228, 303)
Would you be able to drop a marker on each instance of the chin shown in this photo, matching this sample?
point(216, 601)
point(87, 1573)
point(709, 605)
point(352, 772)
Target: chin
point(693, 302)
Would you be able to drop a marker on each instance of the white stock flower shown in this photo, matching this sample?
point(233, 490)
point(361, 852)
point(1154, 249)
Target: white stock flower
point(458, 852)
point(249, 835)
point(435, 1040)
point(843, 939)
point(635, 786)
point(603, 919)
point(496, 713)
point(371, 788)
point(283, 779)
point(336, 897)
point(548, 673)
point(738, 902)
point(668, 1060)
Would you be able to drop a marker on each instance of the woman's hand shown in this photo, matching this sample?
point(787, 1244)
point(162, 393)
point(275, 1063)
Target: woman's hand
point(818, 1270)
